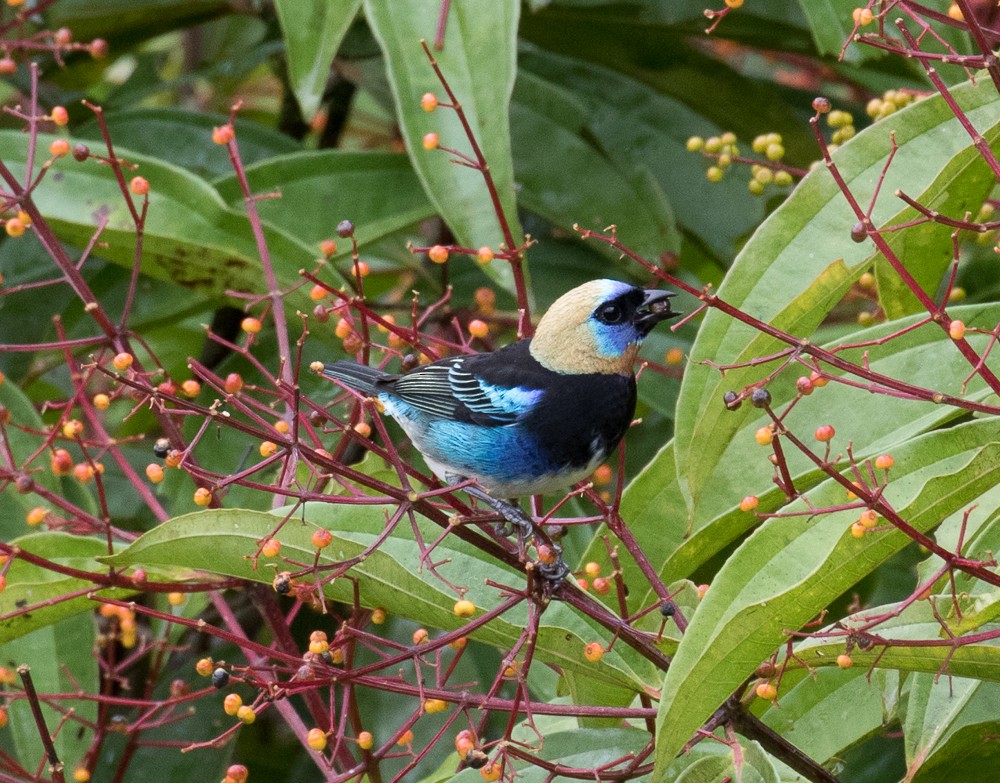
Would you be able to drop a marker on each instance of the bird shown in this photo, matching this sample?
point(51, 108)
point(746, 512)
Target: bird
point(535, 416)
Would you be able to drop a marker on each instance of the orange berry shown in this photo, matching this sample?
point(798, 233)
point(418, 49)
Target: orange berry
point(36, 516)
point(486, 299)
point(59, 115)
point(702, 590)
point(464, 608)
point(546, 554)
point(804, 386)
point(435, 705)
point(61, 462)
point(862, 16)
point(7, 65)
point(268, 448)
point(485, 255)
point(430, 141)
point(749, 503)
point(406, 738)
point(734, 3)
point(58, 148)
point(858, 530)
point(491, 771)
point(322, 538)
point(478, 328)
point(81, 775)
point(593, 652)
point(365, 740)
point(824, 433)
point(316, 739)
point(364, 429)
point(237, 772)
point(362, 268)
point(204, 667)
point(154, 473)
point(191, 388)
point(176, 599)
point(438, 254)
point(844, 661)
point(818, 380)
point(271, 547)
point(428, 102)
point(251, 325)
point(674, 356)
point(101, 401)
point(14, 227)
point(246, 714)
point(72, 428)
point(884, 461)
point(379, 615)
point(868, 519)
point(420, 636)
point(328, 247)
point(122, 361)
point(202, 496)
point(764, 436)
point(98, 48)
point(223, 134)
point(592, 569)
point(603, 475)
point(83, 472)
point(232, 703)
point(459, 643)
point(173, 458)
point(766, 691)
point(139, 186)
point(233, 383)
point(319, 646)
point(956, 330)
point(955, 12)
point(317, 293)
point(601, 585)
point(282, 426)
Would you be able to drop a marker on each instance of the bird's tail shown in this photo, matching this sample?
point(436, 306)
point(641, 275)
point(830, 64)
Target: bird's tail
point(359, 377)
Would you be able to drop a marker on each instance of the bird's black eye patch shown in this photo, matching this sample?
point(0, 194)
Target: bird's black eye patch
point(611, 313)
point(620, 309)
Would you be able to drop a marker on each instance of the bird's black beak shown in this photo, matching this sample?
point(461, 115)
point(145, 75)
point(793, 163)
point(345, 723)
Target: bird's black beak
point(655, 307)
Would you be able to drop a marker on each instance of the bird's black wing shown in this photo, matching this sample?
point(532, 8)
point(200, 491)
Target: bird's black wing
point(481, 389)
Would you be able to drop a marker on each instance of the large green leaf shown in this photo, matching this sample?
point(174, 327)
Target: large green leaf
point(478, 59)
point(378, 192)
point(581, 185)
point(393, 576)
point(191, 236)
point(62, 661)
point(794, 256)
point(313, 30)
point(789, 570)
point(952, 728)
point(653, 505)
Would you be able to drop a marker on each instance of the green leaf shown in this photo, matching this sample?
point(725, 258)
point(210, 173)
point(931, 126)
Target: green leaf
point(378, 192)
point(793, 257)
point(313, 30)
point(581, 185)
point(61, 661)
point(790, 569)
point(928, 248)
point(951, 728)
point(831, 709)
point(478, 60)
point(183, 138)
point(392, 576)
point(191, 236)
point(677, 543)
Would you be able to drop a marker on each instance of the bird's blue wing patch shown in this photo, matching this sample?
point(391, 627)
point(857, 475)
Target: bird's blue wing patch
point(447, 390)
point(502, 404)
